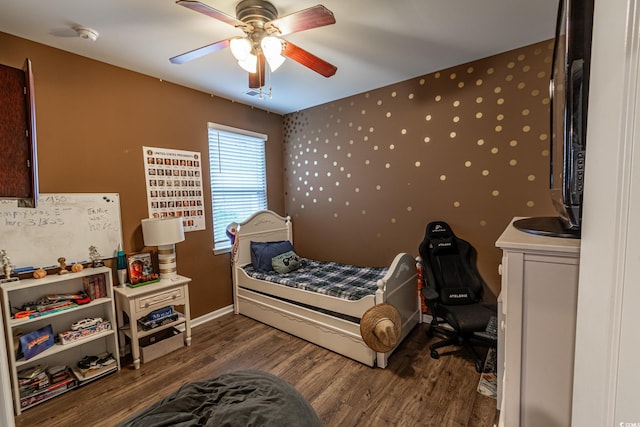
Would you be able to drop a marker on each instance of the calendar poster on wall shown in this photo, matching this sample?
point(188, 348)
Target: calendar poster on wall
point(174, 185)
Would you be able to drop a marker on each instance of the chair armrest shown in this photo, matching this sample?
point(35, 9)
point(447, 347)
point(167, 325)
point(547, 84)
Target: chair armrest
point(430, 294)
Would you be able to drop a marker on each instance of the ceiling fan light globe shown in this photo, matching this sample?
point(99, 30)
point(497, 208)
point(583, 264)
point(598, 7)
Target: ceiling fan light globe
point(240, 48)
point(275, 62)
point(249, 64)
point(271, 46)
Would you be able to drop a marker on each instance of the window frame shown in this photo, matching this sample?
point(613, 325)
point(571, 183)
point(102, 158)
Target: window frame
point(218, 247)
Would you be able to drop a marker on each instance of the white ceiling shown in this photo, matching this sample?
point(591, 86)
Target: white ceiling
point(374, 43)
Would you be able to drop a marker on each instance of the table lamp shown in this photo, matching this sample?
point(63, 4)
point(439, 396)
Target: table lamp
point(164, 233)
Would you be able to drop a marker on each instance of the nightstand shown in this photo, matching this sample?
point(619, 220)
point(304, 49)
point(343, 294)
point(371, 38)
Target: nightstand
point(135, 303)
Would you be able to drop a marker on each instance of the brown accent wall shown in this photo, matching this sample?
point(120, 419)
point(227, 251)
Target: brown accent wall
point(93, 119)
point(468, 145)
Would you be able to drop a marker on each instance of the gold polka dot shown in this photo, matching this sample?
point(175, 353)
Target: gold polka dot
point(485, 172)
point(378, 187)
point(545, 101)
point(497, 89)
point(530, 204)
point(393, 94)
point(479, 82)
point(483, 223)
point(437, 75)
point(363, 112)
point(387, 165)
point(461, 85)
point(375, 148)
point(418, 164)
point(511, 65)
point(521, 57)
point(371, 130)
point(427, 139)
point(428, 117)
point(500, 101)
point(452, 76)
point(513, 143)
point(531, 177)
point(410, 96)
point(409, 209)
point(379, 101)
point(456, 119)
point(456, 204)
point(526, 128)
point(470, 70)
point(438, 98)
point(495, 193)
point(521, 85)
point(388, 113)
point(467, 164)
point(535, 92)
point(443, 177)
point(498, 128)
point(346, 203)
point(543, 137)
point(393, 220)
point(403, 131)
point(452, 135)
point(456, 103)
point(367, 162)
point(478, 115)
point(500, 117)
point(513, 162)
point(480, 142)
point(494, 150)
point(526, 68)
point(526, 112)
point(392, 147)
point(422, 82)
point(541, 74)
point(490, 70)
point(335, 215)
point(479, 100)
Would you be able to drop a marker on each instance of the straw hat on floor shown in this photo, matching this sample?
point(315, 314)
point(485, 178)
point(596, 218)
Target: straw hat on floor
point(381, 327)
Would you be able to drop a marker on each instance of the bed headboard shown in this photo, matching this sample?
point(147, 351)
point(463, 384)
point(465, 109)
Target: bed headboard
point(263, 226)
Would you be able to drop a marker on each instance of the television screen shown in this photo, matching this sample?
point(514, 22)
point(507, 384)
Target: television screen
point(569, 89)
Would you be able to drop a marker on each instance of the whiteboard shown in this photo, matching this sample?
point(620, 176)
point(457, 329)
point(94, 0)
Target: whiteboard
point(62, 225)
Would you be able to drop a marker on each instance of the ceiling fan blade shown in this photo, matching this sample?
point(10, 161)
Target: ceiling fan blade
point(211, 12)
point(309, 60)
point(256, 80)
point(201, 51)
point(313, 17)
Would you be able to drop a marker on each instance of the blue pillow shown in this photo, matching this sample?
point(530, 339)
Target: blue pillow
point(263, 252)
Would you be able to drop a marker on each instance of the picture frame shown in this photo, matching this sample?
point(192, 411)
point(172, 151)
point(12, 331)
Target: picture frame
point(141, 269)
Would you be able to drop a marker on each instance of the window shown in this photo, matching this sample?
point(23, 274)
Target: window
point(238, 178)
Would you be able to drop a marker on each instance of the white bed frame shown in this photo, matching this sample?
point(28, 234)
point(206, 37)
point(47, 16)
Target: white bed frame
point(251, 297)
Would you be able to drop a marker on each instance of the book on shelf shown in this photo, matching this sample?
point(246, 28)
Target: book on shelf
point(95, 286)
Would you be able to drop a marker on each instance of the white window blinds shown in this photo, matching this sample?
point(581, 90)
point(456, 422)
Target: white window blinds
point(238, 178)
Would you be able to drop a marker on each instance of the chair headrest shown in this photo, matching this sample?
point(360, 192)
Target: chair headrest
point(441, 237)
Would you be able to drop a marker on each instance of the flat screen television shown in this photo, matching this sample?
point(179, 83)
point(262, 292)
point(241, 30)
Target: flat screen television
point(569, 91)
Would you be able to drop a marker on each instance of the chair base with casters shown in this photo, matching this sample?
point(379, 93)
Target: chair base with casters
point(468, 341)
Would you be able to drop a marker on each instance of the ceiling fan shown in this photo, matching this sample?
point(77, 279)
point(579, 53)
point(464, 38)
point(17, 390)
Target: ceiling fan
point(262, 41)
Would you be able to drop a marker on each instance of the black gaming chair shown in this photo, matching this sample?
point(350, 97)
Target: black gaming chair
point(453, 291)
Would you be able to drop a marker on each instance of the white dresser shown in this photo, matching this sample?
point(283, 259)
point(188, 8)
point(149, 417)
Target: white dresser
point(537, 320)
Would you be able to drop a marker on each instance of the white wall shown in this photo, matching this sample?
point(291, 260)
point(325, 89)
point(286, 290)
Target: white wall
point(607, 347)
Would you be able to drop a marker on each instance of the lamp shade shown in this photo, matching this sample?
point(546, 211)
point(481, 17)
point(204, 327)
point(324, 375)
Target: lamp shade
point(162, 231)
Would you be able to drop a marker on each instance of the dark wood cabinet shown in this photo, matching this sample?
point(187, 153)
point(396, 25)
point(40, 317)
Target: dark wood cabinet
point(18, 153)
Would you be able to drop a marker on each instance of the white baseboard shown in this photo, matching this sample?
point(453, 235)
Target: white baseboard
point(208, 317)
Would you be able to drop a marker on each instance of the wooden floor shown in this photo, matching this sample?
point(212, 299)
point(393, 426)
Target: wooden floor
point(414, 390)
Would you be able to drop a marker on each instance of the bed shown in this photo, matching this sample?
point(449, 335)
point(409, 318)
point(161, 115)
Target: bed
point(327, 319)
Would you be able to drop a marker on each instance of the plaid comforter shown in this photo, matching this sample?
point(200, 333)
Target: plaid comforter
point(329, 278)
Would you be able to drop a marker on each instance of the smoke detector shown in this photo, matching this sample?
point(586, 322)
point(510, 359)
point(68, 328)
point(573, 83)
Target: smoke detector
point(87, 33)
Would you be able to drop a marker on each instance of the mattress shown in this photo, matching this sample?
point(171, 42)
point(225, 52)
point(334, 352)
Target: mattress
point(334, 279)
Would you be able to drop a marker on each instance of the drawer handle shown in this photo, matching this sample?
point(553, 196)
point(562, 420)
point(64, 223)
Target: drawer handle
point(161, 300)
